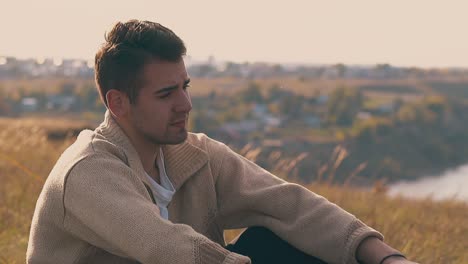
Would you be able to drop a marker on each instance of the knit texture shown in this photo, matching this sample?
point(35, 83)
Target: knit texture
point(95, 207)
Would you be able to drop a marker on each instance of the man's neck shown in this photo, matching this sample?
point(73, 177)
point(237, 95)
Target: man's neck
point(147, 151)
point(148, 156)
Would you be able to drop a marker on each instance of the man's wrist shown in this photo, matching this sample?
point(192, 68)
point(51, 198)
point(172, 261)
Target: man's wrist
point(374, 251)
point(390, 258)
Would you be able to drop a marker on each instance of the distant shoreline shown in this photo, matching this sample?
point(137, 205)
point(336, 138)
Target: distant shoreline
point(451, 184)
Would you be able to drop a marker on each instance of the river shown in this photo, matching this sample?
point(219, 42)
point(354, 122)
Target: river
point(450, 184)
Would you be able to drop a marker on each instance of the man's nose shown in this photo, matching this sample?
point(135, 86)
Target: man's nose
point(184, 102)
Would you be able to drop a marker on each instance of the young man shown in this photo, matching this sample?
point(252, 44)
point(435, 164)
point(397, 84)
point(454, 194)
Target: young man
point(141, 189)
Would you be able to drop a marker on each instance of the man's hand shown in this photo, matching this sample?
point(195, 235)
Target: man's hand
point(372, 250)
point(398, 260)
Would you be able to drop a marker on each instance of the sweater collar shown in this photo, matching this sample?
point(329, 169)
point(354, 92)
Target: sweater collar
point(181, 160)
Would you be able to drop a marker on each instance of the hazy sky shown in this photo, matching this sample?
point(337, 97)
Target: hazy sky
point(422, 33)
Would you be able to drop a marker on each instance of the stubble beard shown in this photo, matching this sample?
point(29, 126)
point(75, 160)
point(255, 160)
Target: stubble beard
point(168, 138)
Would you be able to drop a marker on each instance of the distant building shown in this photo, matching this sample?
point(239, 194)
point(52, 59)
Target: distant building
point(363, 115)
point(322, 99)
point(61, 102)
point(386, 108)
point(312, 121)
point(29, 104)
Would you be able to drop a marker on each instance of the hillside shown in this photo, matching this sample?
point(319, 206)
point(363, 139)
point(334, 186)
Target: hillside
point(428, 232)
point(391, 128)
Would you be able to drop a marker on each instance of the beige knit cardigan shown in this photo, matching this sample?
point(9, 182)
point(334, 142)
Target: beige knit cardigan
point(95, 207)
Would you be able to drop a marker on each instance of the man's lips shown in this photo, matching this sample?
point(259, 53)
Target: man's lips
point(179, 123)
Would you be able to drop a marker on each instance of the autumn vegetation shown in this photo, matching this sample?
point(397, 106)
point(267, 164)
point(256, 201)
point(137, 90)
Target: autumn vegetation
point(427, 231)
point(344, 138)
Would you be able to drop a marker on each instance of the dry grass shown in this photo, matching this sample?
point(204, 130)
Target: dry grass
point(26, 157)
point(428, 232)
point(46, 86)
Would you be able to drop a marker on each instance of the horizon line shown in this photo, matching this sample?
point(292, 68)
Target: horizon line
point(215, 60)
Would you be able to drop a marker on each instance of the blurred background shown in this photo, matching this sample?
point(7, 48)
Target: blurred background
point(361, 101)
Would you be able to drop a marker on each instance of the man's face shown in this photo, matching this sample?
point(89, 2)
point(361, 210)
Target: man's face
point(160, 112)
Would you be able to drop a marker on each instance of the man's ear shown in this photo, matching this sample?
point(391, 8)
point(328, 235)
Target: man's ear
point(117, 102)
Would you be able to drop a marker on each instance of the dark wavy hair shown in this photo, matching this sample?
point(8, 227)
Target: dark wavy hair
point(128, 48)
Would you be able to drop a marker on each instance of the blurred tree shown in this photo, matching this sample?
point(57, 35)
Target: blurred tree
point(343, 105)
point(341, 69)
point(4, 106)
point(89, 97)
point(275, 93)
point(291, 106)
point(67, 88)
point(252, 94)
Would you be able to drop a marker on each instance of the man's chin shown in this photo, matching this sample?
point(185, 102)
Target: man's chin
point(174, 139)
point(181, 138)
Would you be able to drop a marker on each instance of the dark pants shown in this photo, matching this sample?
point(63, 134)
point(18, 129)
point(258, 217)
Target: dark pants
point(263, 246)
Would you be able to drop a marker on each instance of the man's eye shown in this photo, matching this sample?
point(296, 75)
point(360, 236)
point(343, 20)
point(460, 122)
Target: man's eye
point(186, 86)
point(164, 96)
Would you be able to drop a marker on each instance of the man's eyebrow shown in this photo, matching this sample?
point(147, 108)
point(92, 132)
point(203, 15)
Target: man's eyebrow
point(172, 87)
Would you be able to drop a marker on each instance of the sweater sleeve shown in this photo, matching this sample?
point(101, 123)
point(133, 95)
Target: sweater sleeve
point(107, 206)
point(250, 196)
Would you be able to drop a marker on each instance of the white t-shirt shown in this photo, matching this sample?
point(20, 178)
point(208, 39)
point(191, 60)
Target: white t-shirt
point(163, 192)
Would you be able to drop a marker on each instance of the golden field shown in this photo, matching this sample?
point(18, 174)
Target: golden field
point(427, 231)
